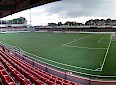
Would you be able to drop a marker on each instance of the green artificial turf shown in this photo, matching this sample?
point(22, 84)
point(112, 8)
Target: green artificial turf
point(79, 50)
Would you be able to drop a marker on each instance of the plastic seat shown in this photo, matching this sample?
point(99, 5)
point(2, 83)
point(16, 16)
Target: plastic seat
point(38, 76)
point(73, 83)
point(9, 81)
point(1, 68)
point(4, 73)
point(47, 76)
point(31, 72)
point(66, 81)
point(10, 69)
point(23, 80)
point(43, 79)
point(15, 73)
point(66, 84)
point(53, 79)
point(59, 82)
point(6, 79)
point(22, 71)
point(61, 79)
point(38, 82)
point(50, 82)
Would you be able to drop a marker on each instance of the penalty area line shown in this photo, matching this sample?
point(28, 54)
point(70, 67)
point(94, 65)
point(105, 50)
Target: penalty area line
point(101, 40)
point(85, 47)
point(107, 51)
point(76, 40)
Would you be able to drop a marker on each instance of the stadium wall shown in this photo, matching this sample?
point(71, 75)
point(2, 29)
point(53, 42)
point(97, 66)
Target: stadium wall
point(92, 29)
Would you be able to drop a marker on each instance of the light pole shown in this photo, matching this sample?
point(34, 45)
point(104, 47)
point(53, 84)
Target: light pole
point(30, 18)
point(1, 25)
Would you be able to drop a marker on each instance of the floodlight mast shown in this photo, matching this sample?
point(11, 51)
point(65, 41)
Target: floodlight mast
point(11, 23)
point(1, 25)
point(30, 17)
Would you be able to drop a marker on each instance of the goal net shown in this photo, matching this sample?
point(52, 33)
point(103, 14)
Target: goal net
point(113, 36)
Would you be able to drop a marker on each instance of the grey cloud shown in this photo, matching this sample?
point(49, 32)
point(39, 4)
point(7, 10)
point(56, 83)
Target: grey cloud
point(73, 8)
point(77, 8)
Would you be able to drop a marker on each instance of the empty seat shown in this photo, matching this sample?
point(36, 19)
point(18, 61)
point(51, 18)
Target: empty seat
point(6, 79)
point(31, 72)
point(73, 83)
point(50, 82)
point(61, 79)
point(53, 79)
point(38, 82)
point(23, 80)
point(3, 73)
point(66, 81)
point(44, 79)
point(1, 68)
point(59, 82)
point(9, 81)
point(47, 76)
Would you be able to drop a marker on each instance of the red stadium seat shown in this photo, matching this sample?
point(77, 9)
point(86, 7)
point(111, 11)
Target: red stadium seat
point(38, 82)
point(47, 76)
point(50, 82)
point(24, 81)
point(1, 68)
point(73, 83)
point(34, 74)
point(61, 79)
point(66, 81)
point(6, 79)
point(9, 81)
point(4, 73)
point(53, 79)
point(59, 82)
point(44, 79)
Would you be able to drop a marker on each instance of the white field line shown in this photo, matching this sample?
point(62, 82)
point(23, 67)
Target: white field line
point(72, 70)
point(98, 69)
point(76, 40)
point(106, 54)
point(85, 47)
point(53, 61)
point(37, 36)
point(33, 36)
point(101, 40)
point(78, 47)
point(60, 63)
point(69, 69)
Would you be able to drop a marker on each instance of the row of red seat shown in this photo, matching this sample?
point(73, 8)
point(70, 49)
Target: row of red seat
point(23, 71)
point(35, 75)
point(17, 75)
point(5, 77)
point(44, 74)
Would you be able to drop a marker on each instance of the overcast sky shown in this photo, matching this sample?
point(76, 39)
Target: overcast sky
point(69, 10)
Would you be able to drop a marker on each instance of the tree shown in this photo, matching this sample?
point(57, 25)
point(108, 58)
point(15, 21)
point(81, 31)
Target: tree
point(108, 21)
point(70, 23)
point(90, 22)
point(60, 24)
point(52, 24)
point(20, 20)
point(67, 23)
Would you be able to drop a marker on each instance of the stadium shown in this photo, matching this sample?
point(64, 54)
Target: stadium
point(54, 55)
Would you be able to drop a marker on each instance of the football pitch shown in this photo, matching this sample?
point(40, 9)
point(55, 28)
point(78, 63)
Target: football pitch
point(86, 53)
